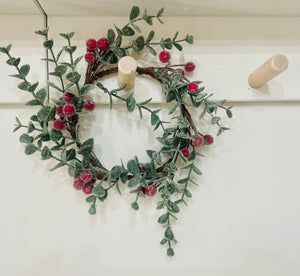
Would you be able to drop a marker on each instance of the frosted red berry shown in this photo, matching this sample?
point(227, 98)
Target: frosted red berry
point(86, 176)
point(198, 141)
point(151, 191)
point(59, 111)
point(208, 139)
point(78, 184)
point(190, 67)
point(59, 124)
point(87, 189)
point(144, 168)
point(186, 153)
point(89, 57)
point(164, 56)
point(69, 97)
point(192, 87)
point(69, 109)
point(91, 44)
point(103, 44)
point(89, 105)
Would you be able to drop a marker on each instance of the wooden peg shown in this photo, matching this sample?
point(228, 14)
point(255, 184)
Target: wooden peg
point(271, 68)
point(126, 72)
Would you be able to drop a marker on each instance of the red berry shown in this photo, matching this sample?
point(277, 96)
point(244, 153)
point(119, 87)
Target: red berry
point(151, 191)
point(164, 56)
point(78, 184)
point(180, 70)
point(198, 141)
point(59, 111)
point(91, 44)
point(186, 153)
point(86, 176)
point(193, 87)
point(102, 44)
point(59, 124)
point(69, 109)
point(69, 97)
point(89, 57)
point(190, 67)
point(144, 168)
point(87, 189)
point(208, 139)
point(89, 105)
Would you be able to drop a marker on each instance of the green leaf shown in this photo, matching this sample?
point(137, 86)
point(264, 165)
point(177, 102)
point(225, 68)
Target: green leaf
point(24, 86)
point(88, 142)
point(59, 165)
point(30, 149)
point(172, 207)
point(30, 127)
point(111, 36)
point(189, 39)
point(160, 12)
point(55, 135)
point(128, 31)
point(183, 122)
point(46, 153)
point(41, 95)
point(60, 70)
point(130, 103)
point(134, 13)
point(174, 108)
point(169, 233)
point(119, 52)
point(171, 168)
point(25, 138)
point(163, 241)
point(150, 37)
point(215, 120)
point(51, 84)
point(73, 77)
point(187, 193)
point(229, 113)
point(196, 170)
point(136, 27)
point(43, 32)
point(33, 102)
point(99, 190)
point(90, 198)
point(154, 119)
point(151, 50)
point(178, 46)
point(123, 177)
point(67, 35)
point(70, 155)
point(118, 41)
point(149, 20)
point(92, 210)
point(133, 167)
point(77, 60)
point(48, 44)
point(134, 181)
point(135, 206)
point(140, 41)
point(33, 87)
point(44, 113)
point(168, 43)
point(183, 181)
point(85, 89)
point(163, 219)
point(115, 172)
point(170, 252)
point(5, 50)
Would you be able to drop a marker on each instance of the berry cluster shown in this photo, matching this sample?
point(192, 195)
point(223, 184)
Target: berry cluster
point(68, 109)
point(85, 182)
point(94, 47)
point(198, 142)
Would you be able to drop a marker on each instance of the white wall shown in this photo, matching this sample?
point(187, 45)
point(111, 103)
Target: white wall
point(243, 218)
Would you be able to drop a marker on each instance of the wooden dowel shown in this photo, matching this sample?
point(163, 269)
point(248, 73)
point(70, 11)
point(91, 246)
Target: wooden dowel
point(126, 72)
point(271, 68)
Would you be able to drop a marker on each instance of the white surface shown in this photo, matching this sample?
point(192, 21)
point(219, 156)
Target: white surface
point(243, 218)
point(19, 7)
point(18, 30)
point(224, 58)
point(175, 7)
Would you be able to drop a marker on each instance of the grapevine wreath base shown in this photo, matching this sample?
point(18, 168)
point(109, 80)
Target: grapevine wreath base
point(54, 130)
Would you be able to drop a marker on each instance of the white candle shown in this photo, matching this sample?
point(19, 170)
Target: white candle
point(271, 68)
point(126, 72)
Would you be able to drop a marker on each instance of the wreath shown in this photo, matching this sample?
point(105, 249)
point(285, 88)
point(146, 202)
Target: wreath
point(54, 130)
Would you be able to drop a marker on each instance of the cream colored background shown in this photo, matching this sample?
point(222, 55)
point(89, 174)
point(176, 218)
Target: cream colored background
point(243, 218)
